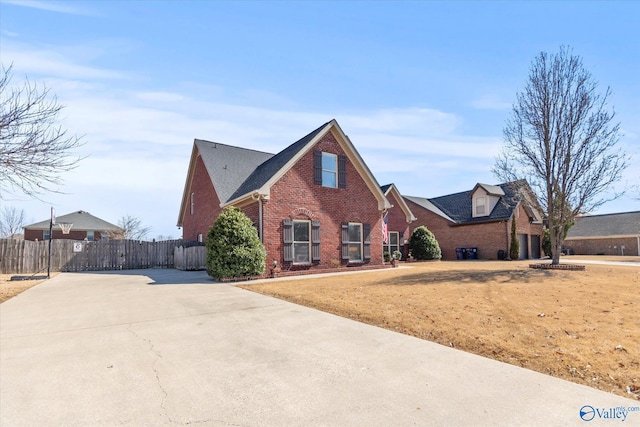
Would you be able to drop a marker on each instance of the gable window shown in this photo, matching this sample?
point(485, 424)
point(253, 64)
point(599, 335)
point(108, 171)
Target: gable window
point(90, 236)
point(301, 241)
point(192, 202)
point(46, 234)
point(481, 207)
point(330, 170)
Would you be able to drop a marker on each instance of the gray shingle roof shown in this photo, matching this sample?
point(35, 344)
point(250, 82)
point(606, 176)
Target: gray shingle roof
point(229, 166)
point(618, 224)
point(81, 220)
point(264, 171)
point(458, 207)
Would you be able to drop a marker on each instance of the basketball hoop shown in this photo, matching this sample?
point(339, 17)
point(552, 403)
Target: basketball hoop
point(65, 227)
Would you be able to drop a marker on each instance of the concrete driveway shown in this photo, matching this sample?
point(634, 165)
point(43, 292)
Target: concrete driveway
point(166, 347)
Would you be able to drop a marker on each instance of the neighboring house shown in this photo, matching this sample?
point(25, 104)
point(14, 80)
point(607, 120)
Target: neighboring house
point(609, 234)
point(398, 219)
point(85, 227)
point(316, 204)
point(480, 220)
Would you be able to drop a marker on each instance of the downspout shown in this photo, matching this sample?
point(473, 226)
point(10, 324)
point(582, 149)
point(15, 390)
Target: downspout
point(638, 237)
point(507, 238)
point(258, 197)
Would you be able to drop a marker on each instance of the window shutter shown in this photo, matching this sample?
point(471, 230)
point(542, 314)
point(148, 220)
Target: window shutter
point(317, 167)
point(342, 171)
point(366, 232)
point(287, 235)
point(345, 240)
point(315, 240)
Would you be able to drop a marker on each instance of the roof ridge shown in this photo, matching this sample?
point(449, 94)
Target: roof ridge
point(233, 146)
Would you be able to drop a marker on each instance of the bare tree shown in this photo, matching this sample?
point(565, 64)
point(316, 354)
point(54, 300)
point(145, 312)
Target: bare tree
point(561, 139)
point(34, 149)
point(11, 221)
point(132, 228)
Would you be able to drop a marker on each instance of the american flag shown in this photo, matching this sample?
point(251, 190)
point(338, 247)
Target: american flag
point(385, 229)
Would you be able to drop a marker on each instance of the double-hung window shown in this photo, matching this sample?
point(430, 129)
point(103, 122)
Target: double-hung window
point(355, 241)
point(480, 206)
point(301, 242)
point(393, 242)
point(329, 170)
point(301, 239)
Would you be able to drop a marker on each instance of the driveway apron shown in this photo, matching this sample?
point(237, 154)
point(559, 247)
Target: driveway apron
point(166, 347)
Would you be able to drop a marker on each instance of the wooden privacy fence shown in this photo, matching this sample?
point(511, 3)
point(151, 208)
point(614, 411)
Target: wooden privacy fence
point(24, 256)
point(190, 258)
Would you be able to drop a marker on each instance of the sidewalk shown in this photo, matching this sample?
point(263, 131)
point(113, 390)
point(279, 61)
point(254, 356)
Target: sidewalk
point(166, 347)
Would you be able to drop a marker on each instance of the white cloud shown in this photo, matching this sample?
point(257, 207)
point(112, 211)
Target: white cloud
point(491, 102)
point(73, 8)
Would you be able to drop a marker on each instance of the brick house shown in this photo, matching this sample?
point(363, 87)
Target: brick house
point(85, 227)
point(398, 220)
point(479, 221)
point(315, 204)
point(609, 234)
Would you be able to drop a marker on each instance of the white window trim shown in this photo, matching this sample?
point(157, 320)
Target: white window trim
point(387, 246)
point(294, 241)
point(359, 242)
point(482, 205)
point(334, 172)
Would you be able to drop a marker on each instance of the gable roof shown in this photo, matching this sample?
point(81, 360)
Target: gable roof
point(425, 203)
point(458, 207)
point(392, 189)
point(238, 174)
point(81, 220)
point(269, 168)
point(492, 190)
point(607, 225)
point(229, 166)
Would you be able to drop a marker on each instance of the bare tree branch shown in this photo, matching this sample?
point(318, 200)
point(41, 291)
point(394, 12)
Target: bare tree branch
point(11, 221)
point(561, 138)
point(34, 150)
point(132, 228)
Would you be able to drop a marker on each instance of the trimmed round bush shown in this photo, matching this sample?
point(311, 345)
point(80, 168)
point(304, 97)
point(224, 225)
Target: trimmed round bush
point(233, 246)
point(424, 245)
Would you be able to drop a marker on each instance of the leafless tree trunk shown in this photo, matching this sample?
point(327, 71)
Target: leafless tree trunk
point(560, 137)
point(34, 149)
point(11, 221)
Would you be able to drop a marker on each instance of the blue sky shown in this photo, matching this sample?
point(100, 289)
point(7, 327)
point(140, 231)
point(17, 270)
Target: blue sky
point(423, 89)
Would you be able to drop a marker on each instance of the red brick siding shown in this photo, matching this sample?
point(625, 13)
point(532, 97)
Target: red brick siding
point(397, 220)
point(610, 246)
point(296, 196)
point(206, 204)
point(488, 237)
point(57, 234)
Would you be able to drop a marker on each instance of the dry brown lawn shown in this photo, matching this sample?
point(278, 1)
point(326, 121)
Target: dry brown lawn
point(582, 326)
point(10, 288)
